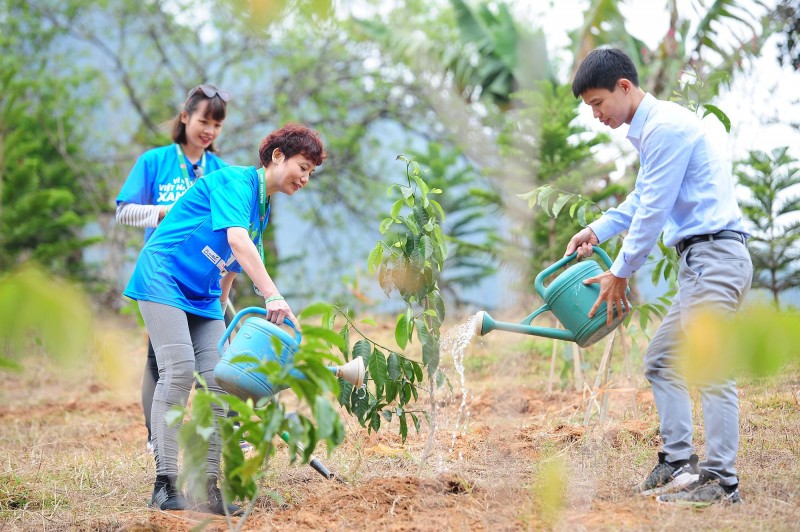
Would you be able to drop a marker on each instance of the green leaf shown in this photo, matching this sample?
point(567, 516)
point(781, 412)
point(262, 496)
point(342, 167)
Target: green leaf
point(582, 215)
point(403, 428)
point(315, 309)
point(368, 321)
point(408, 368)
point(417, 371)
point(544, 194)
point(386, 223)
point(439, 210)
point(377, 370)
point(721, 116)
point(656, 277)
point(174, 416)
point(387, 415)
point(326, 335)
point(407, 192)
point(345, 334)
point(391, 391)
point(530, 196)
point(415, 419)
point(345, 391)
point(360, 405)
point(430, 347)
point(396, 208)
point(426, 246)
point(375, 421)
point(363, 349)
point(560, 202)
point(423, 187)
point(375, 257)
point(393, 366)
point(401, 331)
point(325, 416)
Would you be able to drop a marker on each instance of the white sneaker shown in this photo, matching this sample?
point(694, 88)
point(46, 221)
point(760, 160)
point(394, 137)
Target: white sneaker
point(246, 446)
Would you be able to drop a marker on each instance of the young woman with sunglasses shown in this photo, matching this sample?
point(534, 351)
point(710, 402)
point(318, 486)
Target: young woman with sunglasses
point(161, 176)
point(187, 268)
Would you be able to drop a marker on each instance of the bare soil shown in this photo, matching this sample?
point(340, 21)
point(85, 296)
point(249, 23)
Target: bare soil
point(73, 454)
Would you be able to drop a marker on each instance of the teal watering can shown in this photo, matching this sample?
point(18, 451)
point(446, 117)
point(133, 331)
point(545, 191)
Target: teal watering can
point(255, 338)
point(569, 300)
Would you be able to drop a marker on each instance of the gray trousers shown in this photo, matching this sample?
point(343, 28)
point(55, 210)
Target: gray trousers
point(716, 274)
point(183, 343)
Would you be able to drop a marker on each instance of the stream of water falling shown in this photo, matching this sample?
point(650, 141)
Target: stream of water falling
point(455, 342)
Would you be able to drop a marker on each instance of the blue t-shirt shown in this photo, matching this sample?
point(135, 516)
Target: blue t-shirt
point(156, 179)
point(182, 264)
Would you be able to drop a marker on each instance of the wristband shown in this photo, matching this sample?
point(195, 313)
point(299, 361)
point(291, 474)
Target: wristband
point(273, 298)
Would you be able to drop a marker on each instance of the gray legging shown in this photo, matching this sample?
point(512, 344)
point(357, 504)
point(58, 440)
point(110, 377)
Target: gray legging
point(183, 343)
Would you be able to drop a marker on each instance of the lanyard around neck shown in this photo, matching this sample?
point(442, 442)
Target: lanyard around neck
point(263, 211)
point(182, 164)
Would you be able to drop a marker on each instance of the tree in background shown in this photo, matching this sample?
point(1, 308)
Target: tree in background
point(788, 18)
point(249, 49)
point(472, 239)
point(447, 74)
point(773, 210)
point(45, 197)
point(471, 72)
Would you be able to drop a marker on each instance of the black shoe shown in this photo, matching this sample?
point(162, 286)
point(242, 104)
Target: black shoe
point(215, 504)
point(706, 491)
point(669, 476)
point(166, 495)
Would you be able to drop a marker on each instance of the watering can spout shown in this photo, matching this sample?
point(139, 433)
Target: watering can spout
point(485, 324)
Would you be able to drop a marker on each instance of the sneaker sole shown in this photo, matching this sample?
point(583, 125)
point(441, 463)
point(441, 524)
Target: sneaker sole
point(698, 504)
point(677, 484)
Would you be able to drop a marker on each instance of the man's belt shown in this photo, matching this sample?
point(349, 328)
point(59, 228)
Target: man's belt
point(684, 244)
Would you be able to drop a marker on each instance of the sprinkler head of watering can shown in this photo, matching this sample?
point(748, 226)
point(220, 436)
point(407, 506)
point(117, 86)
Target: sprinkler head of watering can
point(352, 372)
point(483, 323)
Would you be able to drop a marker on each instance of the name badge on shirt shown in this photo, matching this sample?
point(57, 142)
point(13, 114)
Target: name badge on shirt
point(214, 257)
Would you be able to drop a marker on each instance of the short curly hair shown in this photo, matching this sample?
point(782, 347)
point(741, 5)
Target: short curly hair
point(292, 139)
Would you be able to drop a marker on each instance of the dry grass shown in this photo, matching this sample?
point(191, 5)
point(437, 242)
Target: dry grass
point(72, 450)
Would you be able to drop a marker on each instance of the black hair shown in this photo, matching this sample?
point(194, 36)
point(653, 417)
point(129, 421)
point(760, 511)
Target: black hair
point(216, 109)
point(602, 69)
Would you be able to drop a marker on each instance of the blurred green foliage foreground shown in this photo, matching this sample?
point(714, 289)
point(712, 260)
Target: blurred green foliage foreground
point(42, 314)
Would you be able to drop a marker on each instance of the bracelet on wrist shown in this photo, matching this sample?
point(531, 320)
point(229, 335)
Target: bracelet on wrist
point(273, 298)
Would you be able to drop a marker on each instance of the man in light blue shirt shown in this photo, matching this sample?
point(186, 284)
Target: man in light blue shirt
point(685, 189)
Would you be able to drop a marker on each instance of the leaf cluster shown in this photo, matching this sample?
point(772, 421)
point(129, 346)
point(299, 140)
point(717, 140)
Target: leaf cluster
point(306, 373)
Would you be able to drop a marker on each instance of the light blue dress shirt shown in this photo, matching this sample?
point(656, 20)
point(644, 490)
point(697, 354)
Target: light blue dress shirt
point(684, 187)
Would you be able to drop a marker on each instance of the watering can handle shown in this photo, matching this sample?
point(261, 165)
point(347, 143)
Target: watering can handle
point(252, 310)
point(538, 283)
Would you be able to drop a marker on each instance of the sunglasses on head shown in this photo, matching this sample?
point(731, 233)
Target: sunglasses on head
point(210, 91)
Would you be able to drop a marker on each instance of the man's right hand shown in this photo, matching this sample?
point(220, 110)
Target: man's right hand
point(582, 242)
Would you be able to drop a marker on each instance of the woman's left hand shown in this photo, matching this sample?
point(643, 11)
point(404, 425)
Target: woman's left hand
point(279, 309)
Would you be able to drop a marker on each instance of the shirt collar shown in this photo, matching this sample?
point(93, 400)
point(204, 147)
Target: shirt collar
point(640, 117)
